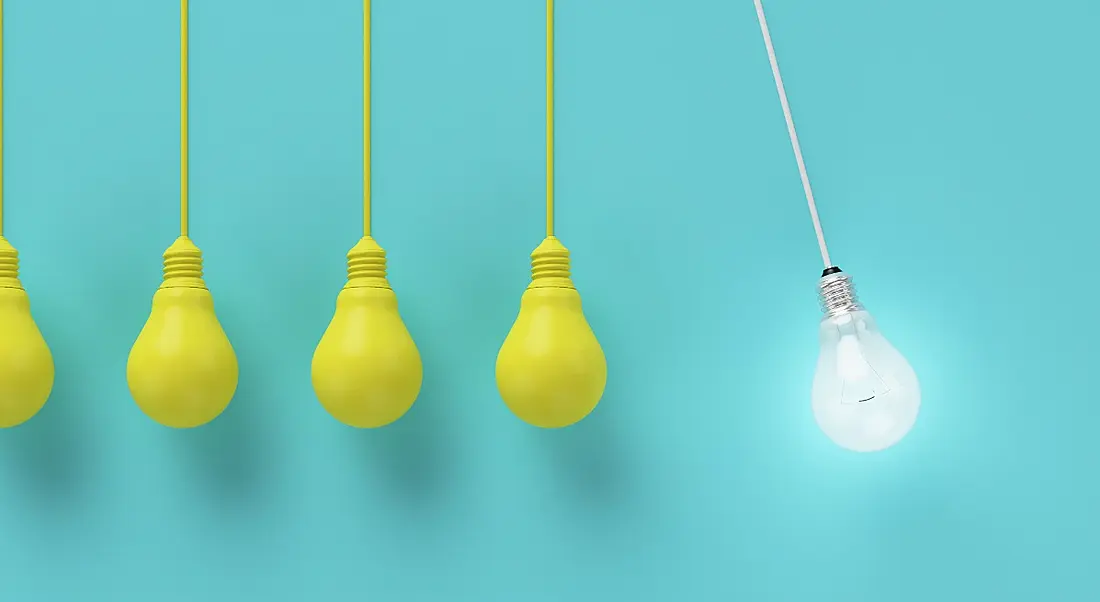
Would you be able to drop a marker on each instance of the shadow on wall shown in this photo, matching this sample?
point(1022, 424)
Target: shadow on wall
point(413, 457)
point(233, 454)
point(590, 458)
point(51, 454)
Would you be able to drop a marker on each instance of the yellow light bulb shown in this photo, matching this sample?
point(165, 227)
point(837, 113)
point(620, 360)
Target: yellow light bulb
point(366, 370)
point(26, 365)
point(182, 370)
point(551, 370)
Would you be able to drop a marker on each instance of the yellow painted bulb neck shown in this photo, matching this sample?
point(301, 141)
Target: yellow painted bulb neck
point(26, 364)
point(183, 265)
point(551, 371)
point(9, 265)
point(366, 370)
point(367, 265)
point(550, 265)
point(182, 370)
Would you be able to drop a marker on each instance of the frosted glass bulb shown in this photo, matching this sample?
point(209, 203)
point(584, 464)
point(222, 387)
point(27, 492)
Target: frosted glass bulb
point(865, 395)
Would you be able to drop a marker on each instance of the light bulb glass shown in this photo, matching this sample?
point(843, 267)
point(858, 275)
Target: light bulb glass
point(26, 364)
point(366, 369)
point(182, 370)
point(551, 371)
point(866, 397)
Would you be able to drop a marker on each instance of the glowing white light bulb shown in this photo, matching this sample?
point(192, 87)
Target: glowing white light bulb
point(866, 396)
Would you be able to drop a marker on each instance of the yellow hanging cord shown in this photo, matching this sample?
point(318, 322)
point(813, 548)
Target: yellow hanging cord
point(183, 117)
point(549, 118)
point(1, 118)
point(366, 117)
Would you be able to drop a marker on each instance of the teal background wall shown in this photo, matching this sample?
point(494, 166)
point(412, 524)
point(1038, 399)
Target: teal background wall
point(952, 144)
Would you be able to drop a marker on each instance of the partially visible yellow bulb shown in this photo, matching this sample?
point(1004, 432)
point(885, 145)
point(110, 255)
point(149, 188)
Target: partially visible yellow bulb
point(26, 365)
point(366, 370)
point(551, 370)
point(182, 370)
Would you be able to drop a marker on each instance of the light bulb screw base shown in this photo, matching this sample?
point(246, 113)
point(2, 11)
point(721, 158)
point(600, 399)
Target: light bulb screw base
point(550, 265)
point(9, 265)
point(367, 265)
point(183, 265)
point(837, 293)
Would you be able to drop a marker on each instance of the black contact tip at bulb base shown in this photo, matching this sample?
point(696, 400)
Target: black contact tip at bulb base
point(831, 270)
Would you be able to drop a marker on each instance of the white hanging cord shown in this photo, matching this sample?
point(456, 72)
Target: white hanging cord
point(793, 134)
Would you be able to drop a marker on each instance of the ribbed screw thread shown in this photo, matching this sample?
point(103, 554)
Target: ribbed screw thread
point(183, 265)
point(9, 265)
point(837, 294)
point(367, 265)
point(550, 265)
